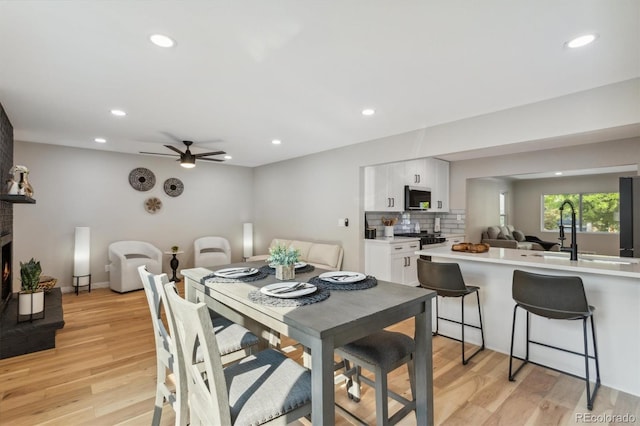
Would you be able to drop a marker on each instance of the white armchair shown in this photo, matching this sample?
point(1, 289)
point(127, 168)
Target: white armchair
point(211, 251)
point(125, 257)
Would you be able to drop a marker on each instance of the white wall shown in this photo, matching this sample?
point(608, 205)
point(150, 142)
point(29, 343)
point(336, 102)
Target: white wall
point(483, 205)
point(82, 187)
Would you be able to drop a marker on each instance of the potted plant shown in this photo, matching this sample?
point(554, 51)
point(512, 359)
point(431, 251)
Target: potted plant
point(30, 299)
point(283, 259)
point(175, 249)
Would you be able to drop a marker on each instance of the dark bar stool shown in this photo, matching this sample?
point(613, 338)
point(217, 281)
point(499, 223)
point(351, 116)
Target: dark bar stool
point(554, 297)
point(446, 280)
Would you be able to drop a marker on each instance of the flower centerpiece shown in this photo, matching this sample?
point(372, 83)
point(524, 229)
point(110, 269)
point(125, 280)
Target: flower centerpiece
point(283, 259)
point(175, 249)
point(31, 298)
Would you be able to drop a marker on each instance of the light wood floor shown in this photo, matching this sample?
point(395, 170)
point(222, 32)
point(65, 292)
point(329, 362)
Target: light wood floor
point(102, 372)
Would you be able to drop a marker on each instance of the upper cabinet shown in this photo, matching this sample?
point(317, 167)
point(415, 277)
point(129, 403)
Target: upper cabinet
point(384, 188)
point(439, 185)
point(416, 172)
point(384, 184)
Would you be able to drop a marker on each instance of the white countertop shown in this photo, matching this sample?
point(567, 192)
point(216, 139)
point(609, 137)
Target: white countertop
point(593, 264)
point(391, 240)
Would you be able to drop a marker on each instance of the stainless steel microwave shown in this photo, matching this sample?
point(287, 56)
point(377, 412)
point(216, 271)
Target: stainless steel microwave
point(417, 198)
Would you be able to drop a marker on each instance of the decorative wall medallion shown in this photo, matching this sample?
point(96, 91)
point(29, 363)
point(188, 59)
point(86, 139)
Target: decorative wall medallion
point(173, 187)
point(152, 204)
point(142, 179)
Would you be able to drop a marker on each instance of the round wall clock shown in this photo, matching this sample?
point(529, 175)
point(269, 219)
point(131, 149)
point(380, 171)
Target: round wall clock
point(142, 179)
point(152, 204)
point(173, 187)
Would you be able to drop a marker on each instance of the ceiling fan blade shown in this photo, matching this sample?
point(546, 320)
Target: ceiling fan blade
point(157, 153)
point(173, 148)
point(209, 159)
point(204, 154)
point(172, 136)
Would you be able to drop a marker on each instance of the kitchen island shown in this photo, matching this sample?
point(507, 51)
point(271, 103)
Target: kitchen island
point(612, 286)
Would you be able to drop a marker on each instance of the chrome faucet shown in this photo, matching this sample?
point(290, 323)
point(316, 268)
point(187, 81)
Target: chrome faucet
point(573, 249)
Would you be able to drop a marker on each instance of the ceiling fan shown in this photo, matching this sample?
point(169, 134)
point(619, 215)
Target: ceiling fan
point(187, 159)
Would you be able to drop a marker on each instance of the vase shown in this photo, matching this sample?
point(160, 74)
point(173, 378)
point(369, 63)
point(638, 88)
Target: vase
point(24, 186)
point(30, 303)
point(12, 187)
point(285, 272)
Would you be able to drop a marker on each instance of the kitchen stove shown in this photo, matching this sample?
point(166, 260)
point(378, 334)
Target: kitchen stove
point(426, 238)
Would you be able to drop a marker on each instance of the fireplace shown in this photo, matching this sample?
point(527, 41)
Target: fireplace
point(7, 282)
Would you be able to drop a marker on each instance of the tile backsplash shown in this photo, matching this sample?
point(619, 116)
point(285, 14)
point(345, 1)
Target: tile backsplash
point(449, 222)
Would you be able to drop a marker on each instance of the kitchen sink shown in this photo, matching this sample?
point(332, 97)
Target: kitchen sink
point(609, 260)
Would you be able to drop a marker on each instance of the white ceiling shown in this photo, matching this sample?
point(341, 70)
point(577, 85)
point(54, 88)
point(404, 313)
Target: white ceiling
point(246, 72)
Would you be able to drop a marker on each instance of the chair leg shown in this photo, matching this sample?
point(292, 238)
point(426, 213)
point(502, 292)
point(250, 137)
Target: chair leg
point(437, 317)
point(513, 332)
point(590, 396)
point(354, 386)
point(512, 374)
point(159, 402)
point(463, 324)
point(480, 317)
point(412, 378)
point(382, 403)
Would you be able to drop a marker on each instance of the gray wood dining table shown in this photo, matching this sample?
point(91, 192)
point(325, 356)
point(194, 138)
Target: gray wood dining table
point(321, 327)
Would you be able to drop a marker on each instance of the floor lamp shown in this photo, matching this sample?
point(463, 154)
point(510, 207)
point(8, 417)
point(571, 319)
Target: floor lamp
point(82, 258)
point(247, 240)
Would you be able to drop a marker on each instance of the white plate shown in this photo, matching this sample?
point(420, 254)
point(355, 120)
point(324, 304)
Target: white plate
point(342, 277)
point(307, 289)
point(235, 272)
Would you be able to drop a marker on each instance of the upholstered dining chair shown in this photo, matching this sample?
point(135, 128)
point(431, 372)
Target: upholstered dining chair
point(264, 388)
point(380, 353)
point(211, 251)
point(235, 342)
point(124, 259)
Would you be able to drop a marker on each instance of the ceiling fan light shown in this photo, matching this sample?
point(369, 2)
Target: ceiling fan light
point(187, 164)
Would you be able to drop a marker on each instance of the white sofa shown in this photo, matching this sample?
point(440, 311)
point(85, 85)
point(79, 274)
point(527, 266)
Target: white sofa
point(125, 257)
point(323, 256)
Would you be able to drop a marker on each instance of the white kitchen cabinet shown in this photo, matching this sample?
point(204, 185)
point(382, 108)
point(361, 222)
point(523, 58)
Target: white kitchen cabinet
point(439, 185)
point(384, 184)
point(393, 260)
point(417, 172)
point(454, 239)
point(384, 188)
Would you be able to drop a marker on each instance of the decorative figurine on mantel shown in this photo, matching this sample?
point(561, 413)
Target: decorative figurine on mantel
point(22, 187)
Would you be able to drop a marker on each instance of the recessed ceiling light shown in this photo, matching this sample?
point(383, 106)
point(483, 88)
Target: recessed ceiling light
point(228, 157)
point(558, 173)
point(118, 112)
point(100, 140)
point(276, 141)
point(162, 40)
point(583, 40)
point(368, 111)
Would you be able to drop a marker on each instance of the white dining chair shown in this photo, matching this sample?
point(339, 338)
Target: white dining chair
point(234, 342)
point(264, 388)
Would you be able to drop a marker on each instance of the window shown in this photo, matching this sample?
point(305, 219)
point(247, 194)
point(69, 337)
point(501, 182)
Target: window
point(503, 208)
point(595, 212)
